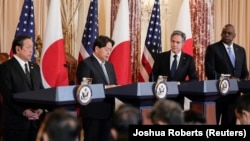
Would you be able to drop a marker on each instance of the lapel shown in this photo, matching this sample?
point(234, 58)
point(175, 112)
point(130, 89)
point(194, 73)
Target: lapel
point(32, 73)
point(168, 62)
point(18, 68)
point(99, 68)
point(237, 54)
point(181, 63)
point(108, 72)
point(224, 52)
point(21, 72)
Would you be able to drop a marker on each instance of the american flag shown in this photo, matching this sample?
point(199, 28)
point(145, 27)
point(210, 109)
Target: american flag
point(26, 24)
point(152, 44)
point(91, 31)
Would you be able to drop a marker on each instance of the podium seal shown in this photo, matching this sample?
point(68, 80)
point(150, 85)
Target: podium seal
point(224, 85)
point(84, 94)
point(161, 90)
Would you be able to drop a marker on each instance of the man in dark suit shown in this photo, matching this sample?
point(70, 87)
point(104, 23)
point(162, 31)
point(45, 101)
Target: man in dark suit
point(96, 116)
point(217, 62)
point(20, 121)
point(185, 66)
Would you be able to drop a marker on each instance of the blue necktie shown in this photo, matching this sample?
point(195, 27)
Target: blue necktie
point(173, 67)
point(231, 56)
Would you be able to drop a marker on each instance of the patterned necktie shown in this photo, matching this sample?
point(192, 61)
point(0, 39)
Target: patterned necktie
point(231, 56)
point(174, 65)
point(27, 74)
point(105, 72)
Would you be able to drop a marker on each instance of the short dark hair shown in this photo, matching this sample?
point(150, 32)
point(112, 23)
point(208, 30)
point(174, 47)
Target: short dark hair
point(18, 41)
point(61, 125)
point(124, 116)
point(102, 41)
point(168, 111)
point(194, 116)
point(178, 32)
point(228, 25)
point(242, 103)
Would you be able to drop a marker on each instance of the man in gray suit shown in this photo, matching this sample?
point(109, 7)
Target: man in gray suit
point(96, 116)
point(218, 61)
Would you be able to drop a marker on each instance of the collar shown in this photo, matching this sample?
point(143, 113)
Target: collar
point(178, 54)
point(99, 61)
point(226, 46)
point(19, 60)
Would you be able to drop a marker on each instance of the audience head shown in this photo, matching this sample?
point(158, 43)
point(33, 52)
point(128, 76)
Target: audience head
point(177, 41)
point(103, 47)
point(22, 46)
point(59, 125)
point(194, 117)
point(167, 112)
point(242, 109)
point(124, 116)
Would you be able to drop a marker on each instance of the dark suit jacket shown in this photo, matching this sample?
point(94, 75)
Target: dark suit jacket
point(217, 61)
point(12, 81)
point(90, 67)
point(186, 67)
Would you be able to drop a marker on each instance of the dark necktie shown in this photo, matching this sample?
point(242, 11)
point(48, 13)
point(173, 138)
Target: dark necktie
point(174, 65)
point(105, 72)
point(27, 74)
point(231, 56)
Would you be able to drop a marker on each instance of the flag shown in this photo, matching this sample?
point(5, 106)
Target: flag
point(26, 24)
point(152, 44)
point(184, 24)
point(53, 60)
point(120, 55)
point(90, 32)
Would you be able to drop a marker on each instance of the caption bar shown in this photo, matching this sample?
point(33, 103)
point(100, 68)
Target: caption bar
point(207, 132)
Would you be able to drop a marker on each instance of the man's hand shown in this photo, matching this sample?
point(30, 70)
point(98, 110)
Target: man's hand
point(31, 114)
point(111, 86)
point(39, 111)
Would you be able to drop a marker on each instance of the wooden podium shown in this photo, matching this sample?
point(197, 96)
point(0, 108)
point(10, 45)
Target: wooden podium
point(203, 94)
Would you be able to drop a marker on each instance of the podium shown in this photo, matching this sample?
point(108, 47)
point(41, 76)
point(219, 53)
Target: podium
point(244, 86)
point(141, 95)
point(62, 96)
point(203, 94)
